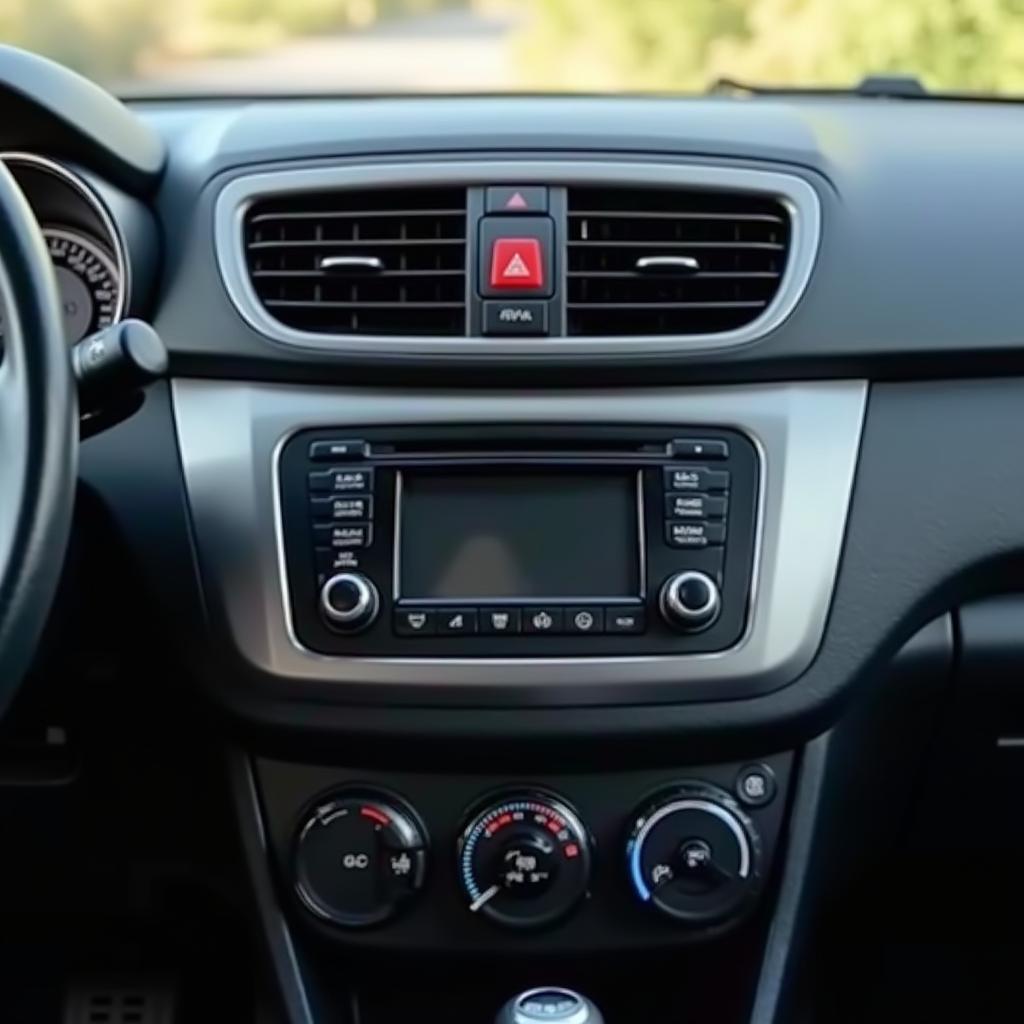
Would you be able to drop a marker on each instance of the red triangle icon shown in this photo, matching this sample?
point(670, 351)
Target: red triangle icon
point(516, 202)
point(516, 267)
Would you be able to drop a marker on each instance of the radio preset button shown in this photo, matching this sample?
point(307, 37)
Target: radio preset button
point(415, 622)
point(456, 621)
point(694, 534)
point(496, 621)
point(325, 508)
point(351, 535)
point(338, 451)
point(341, 481)
point(695, 506)
point(696, 478)
point(542, 620)
point(589, 619)
point(625, 620)
point(698, 448)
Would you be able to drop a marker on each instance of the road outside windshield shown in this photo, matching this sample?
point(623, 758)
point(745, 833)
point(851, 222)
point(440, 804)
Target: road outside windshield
point(147, 47)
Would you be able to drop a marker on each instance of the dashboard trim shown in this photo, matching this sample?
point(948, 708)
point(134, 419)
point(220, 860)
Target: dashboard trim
point(796, 194)
point(230, 433)
point(115, 239)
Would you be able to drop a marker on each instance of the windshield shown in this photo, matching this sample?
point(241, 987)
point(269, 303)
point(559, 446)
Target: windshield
point(144, 47)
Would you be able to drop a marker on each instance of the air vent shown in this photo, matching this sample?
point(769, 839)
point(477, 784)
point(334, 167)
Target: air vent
point(382, 261)
point(668, 261)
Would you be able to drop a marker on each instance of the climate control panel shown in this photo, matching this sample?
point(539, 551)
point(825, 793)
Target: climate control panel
point(638, 859)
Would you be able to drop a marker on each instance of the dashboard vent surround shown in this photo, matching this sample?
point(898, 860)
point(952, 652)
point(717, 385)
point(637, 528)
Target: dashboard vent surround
point(649, 261)
point(373, 261)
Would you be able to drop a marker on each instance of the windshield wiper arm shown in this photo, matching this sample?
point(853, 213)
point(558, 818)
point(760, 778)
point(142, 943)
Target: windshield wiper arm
point(873, 86)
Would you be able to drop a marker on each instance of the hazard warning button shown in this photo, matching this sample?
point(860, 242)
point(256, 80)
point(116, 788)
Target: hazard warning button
point(515, 257)
point(517, 263)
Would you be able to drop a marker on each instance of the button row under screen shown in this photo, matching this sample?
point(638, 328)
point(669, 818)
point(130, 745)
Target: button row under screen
point(536, 620)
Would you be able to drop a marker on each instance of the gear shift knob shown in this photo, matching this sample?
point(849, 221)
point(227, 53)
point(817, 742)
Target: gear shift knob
point(555, 1005)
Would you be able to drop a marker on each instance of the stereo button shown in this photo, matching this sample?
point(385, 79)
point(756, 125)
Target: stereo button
point(456, 621)
point(694, 535)
point(584, 620)
point(342, 481)
point(342, 508)
point(542, 620)
point(694, 506)
point(415, 622)
point(695, 478)
point(337, 451)
point(624, 620)
point(686, 448)
point(497, 621)
point(351, 535)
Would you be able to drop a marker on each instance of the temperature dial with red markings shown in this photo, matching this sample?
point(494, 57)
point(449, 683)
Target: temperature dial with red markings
point(524, 861)
point(359, 856)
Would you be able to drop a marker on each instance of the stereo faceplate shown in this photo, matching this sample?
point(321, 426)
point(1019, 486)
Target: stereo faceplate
point(545, 541)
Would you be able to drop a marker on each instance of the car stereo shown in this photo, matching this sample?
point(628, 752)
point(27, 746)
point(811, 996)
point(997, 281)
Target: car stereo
point(518, 542)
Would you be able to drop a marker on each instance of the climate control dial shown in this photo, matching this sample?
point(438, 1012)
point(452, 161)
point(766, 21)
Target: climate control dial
point(694, 856)
point(524, 860)
point(359, 856)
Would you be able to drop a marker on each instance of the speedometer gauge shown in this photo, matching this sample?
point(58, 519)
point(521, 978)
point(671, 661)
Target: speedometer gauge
point(88, 282)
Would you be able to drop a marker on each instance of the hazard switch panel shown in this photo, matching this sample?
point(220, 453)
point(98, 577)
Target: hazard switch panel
point(518, 289)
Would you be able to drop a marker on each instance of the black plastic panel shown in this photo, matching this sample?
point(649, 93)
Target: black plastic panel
point(568, 450)
point(609, 919)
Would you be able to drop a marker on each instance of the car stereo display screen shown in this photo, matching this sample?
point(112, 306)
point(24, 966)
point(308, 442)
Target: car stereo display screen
point(519, 535)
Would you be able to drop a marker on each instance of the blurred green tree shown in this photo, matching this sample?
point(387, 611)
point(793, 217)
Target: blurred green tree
point(683, 44)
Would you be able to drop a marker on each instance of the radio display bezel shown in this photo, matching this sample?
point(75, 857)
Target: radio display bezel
point(503, 447)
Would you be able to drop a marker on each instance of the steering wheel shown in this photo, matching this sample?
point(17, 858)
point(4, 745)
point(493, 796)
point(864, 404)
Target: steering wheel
point(38, 438)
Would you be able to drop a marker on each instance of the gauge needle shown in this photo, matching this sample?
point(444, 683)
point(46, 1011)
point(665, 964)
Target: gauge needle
point(484, 897)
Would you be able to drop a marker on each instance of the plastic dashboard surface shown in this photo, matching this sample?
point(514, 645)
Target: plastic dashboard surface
point(895, 288)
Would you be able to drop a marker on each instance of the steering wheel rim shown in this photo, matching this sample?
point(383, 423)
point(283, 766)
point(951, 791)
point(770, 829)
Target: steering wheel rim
point(38, 438)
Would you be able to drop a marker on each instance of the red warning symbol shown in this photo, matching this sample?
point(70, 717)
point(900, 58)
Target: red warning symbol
point(517, 263)
point(516, 202)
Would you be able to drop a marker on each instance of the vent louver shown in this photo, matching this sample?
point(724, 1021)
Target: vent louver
point(650, 261)
point(380, 261)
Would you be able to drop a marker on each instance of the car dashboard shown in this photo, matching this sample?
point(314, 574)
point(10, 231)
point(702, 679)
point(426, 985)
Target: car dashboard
point(567, 515)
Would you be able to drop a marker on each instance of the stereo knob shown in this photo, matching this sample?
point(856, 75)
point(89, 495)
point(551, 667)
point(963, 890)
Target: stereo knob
point(690, 601)
point(349, 602)
point(359, 857)
point(694, 856)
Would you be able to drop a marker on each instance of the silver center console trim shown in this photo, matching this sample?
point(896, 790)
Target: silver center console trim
point(793, 192)
point(230, 434)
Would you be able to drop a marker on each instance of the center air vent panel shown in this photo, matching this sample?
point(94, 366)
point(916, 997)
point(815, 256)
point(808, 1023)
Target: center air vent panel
point(405, 252)
point(649, 261)
point(377, 262)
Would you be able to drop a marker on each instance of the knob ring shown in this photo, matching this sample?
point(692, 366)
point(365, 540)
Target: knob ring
point(694, 620)
point(362, 613)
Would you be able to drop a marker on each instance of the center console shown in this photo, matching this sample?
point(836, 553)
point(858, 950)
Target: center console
point(377, 557)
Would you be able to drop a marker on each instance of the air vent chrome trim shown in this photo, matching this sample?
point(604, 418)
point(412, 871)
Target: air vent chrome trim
point(799, 198)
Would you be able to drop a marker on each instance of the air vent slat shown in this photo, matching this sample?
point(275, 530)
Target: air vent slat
point(597, 243)
point(315, 215)
point(671, 305)
point(761, 218)
point(320, 304)
point(325, 275)
point(398, 255)
point(649, 261)
point(333, 244)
